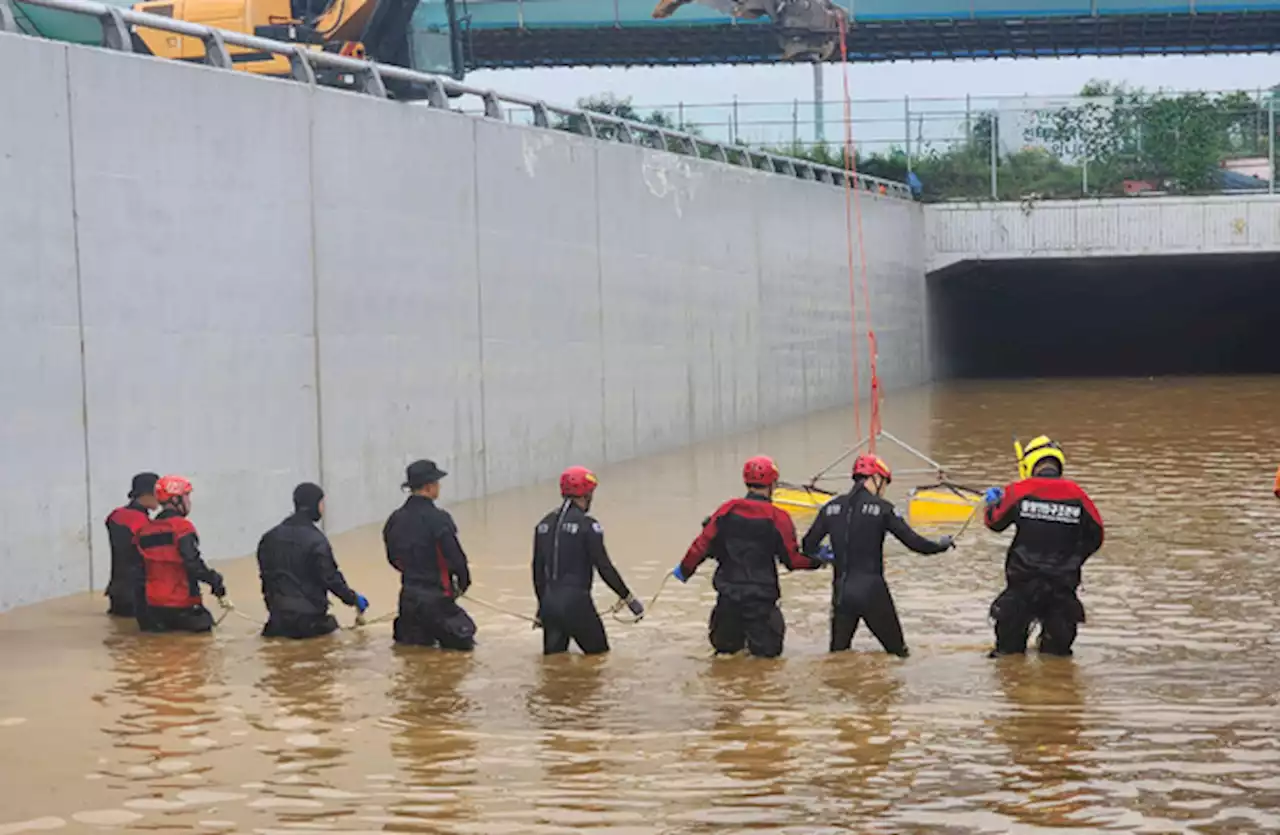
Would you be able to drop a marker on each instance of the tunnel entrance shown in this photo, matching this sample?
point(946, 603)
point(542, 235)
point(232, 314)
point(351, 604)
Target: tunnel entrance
point(1212, 314)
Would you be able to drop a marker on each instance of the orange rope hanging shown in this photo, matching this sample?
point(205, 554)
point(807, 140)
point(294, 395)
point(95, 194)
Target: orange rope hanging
point(849, 167)
point(853, 216)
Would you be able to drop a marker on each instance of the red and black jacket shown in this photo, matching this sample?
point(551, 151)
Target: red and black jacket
point(748, 538)
point(174, 569)
point(1058, 529)
point(123, 525)
point(422, 544)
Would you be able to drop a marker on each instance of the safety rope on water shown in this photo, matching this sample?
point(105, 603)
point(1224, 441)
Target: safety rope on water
point(362, 621)
point(967, 522)
point(486, 604)
point(229, 608)
point(653, 601)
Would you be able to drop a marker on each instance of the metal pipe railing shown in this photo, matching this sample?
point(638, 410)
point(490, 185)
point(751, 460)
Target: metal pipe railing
point(370, 77)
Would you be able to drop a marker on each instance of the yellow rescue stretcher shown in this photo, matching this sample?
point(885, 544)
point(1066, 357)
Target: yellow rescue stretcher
point(942, 503)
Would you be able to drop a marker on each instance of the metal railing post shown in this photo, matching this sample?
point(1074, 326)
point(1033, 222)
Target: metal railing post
point(1271, 142)
point(819, 117)
point(115, 32)
point(369, 81)
point(995, 159)
point(492, 108)
point(8, 20)
point(300, 67)
point(215, 51)
point(906, 125)
point(540, 117)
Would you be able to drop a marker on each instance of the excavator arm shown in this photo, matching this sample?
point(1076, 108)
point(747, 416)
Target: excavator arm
point(808, 30)
point(382, 26)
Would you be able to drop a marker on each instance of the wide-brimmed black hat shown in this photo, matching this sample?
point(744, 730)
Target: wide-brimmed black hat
point(421, 473)
point(144, 484)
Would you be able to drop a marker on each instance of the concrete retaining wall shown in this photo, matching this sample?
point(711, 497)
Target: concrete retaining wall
point(253, 283)
point(1115, 228)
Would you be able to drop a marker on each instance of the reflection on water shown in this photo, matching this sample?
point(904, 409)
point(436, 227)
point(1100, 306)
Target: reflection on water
point(1165, 721)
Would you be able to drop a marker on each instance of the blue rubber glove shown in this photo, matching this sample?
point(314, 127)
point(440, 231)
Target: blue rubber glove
point(947, 541)
point(994, 495)
point(362, 603)
point(636, 607)
point(825, 554)
point(678, 573)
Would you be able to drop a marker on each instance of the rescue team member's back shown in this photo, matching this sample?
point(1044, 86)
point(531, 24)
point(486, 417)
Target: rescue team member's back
point(172, 566)
point(125, 587)
point(1058, 529)
point(422, 544)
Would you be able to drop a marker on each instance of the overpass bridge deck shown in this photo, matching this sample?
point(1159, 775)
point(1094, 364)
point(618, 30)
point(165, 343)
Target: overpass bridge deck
point(526, 33)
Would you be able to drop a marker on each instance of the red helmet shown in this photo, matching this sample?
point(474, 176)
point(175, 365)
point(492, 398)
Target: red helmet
point(578, 483)
point(869, 465)
point(760, 471)
point(171, 487)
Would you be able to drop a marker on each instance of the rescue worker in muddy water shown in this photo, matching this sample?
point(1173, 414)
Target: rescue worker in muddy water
point(123, 524)
point(568, 550)
point(422, 544)
point(1058, 529)
point(748, 537)
point(299, 572)
point(172, 566)
point(855, 524)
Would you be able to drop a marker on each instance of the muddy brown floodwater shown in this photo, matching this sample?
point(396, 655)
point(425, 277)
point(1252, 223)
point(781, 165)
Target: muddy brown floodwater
point(1165, 721)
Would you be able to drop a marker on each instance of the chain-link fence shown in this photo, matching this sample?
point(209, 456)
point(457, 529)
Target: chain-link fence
point(1115, 143)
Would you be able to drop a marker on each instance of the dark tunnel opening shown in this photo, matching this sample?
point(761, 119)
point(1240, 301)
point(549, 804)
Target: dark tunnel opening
point(1147, 316)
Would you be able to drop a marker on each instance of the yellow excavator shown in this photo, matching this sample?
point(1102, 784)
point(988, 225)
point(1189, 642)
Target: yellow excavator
point(374, 29)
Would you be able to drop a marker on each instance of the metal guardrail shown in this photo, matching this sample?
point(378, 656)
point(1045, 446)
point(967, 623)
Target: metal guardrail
point(370, 78)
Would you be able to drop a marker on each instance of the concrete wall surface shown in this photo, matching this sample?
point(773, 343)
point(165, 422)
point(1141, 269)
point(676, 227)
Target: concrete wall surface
point(252, 283)
point(1102, 228)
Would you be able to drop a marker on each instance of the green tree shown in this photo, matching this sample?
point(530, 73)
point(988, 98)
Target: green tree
point(1178, 142)
point(621, 108)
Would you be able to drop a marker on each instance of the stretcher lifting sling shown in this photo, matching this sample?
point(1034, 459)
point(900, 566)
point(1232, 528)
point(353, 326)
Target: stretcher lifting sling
point(939, 503)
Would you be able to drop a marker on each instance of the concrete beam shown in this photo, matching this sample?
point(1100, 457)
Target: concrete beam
point(1124, 227)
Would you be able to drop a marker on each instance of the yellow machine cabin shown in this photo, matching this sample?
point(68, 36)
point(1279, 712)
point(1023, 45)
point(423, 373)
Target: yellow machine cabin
point(377, 29)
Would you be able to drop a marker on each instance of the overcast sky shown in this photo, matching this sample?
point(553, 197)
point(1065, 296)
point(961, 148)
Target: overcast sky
point(879, 126)
point(1043, 76)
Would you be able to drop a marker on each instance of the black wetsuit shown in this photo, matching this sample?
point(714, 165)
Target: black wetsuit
point(298, 571)
point(856, 523)
point(748, 538)
point(1058, 529)
point(568, 550)
point(422, 544)
point(124, 590)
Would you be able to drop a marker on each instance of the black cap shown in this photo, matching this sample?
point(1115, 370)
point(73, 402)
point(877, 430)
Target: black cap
point(144, 484)
point(421, 473)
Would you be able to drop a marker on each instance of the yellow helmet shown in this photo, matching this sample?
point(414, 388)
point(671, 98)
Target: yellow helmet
point(1038, 450)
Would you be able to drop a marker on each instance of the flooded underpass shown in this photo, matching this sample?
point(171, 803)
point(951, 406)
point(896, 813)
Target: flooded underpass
point(1166, 720)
